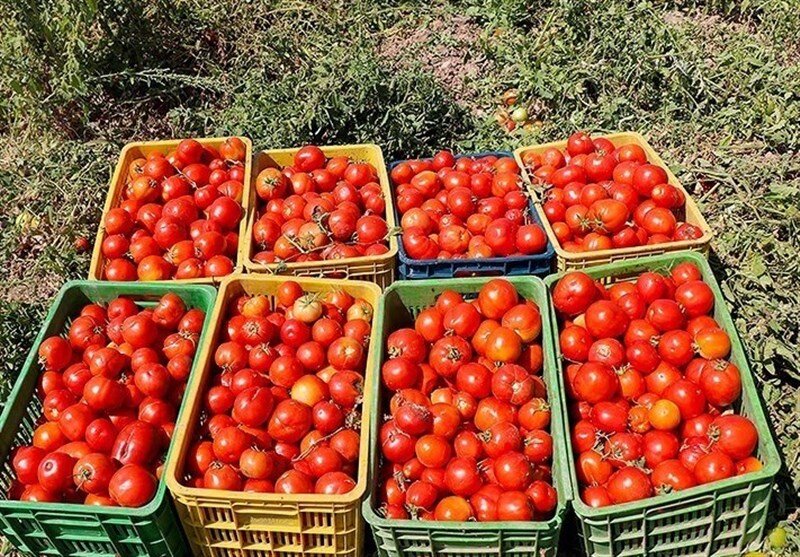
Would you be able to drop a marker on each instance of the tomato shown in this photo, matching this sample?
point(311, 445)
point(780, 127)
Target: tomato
point(496, 297)
point(662, 377)
point(712, 343)
point(573, 293)
point(688, 397)
point(462, 477)
point(629, 484)
point(74, 420)
point(448, 354)
point(596, 496)
point(713, 467)
point(660, 446)
point(720, 382)
point(512, 383)
point(138, 442)
point(54, 473)
point(671, 475)
point(500, 236)
point(665, 315)
point(346, 442)
point(491, 411)
point(747, 465)
point(433, 451)
point(463, 320)
point(453, 509)
point(734, 435)
point(609, 417)
point(503, 345)
point(26, 463)
point(93, 473)
point(575, 343)
point(664, 415)
point(512, 470)
point(592, 468)
point(646, 177)
point(595, 382)
point(606, 319)
point(407, 343)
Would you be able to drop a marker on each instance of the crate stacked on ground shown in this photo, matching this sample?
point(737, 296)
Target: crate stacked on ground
point(321, 212)
point(87, 434)
point(175, 210)
point(671, 451)
point(270, 457)
point(417, 505)
point(466, 215)
point(610, 198)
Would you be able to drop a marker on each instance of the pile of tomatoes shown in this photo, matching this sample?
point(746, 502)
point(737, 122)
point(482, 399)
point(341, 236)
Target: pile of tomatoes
point(466, 437)
point(318, 209)
point(651, 386)
point(283, 412)
point(605, 197)
point(110, 395)
point(179, 214)
point(464, 208)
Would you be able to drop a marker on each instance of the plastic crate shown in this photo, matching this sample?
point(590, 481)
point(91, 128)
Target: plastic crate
point(720, 518)
point(539, 264)
point(132, 151)
point(238, 524)
point(81, 530)
point(415, 538)
point(374, 268)
point(567, 261)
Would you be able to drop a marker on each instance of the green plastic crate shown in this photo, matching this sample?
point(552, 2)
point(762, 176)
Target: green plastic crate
point(80, 530)
point(400, 303)
point(717, 519)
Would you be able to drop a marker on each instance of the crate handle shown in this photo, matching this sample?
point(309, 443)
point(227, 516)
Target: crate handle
point(464, 538)
point(687, 505)
point(479, 271)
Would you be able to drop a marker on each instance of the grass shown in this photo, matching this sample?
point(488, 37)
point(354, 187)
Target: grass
point(715, 86)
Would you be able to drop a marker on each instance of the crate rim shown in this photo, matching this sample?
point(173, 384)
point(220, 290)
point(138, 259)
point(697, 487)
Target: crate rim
point(547, 254)
point(30, 367)
point(654, 158)
point(246, 243)
point(692, 494)
point(98, 258)
point(564, 494)
point(183, 492)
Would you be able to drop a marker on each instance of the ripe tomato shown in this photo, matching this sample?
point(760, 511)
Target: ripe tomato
point(629, 484)
point(720, 382)
point(496, 297)
point(713, 467)
point(671, 475)
point(595, 382)
point(734, 435)
point(574, 293)
point(453, 509)
point(54, 473)
point(93, 473)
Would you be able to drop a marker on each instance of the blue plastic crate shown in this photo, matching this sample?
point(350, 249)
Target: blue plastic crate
point(539, 264)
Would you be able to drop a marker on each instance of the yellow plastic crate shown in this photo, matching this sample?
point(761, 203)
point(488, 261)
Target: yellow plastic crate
point(379, 269)
point(237, 524)
point(132, 151)
point(567, 261)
